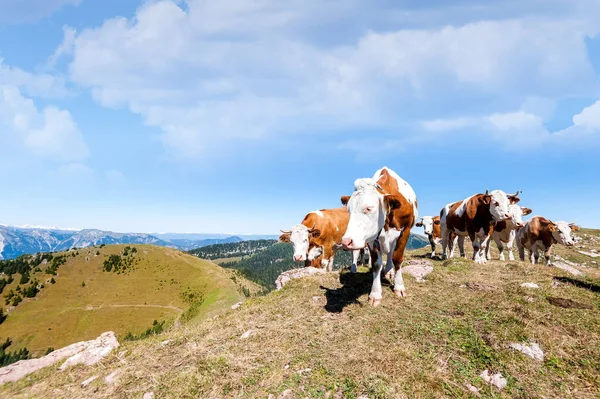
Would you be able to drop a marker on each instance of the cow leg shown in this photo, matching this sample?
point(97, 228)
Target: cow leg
point(509, 245)
point(389, 267)
point(445, 236)
point(460, 240)
point(398, 258)
point(376, 265)
point(327, 258)
point(330, 264)
point(521, 249)
point(547, 255)
point(533, 253)
point(451, 245)
point(500, 246)
point(355, 257)
point(432, 242)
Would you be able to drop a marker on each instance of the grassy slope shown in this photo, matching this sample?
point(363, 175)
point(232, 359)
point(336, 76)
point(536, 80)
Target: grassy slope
point(428, 345)
point(66, 312)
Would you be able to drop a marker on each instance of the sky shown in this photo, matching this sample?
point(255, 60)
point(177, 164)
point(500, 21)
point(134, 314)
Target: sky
point(242, 116)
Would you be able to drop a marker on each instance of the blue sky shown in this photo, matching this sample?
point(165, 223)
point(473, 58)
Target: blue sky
point(242, 116)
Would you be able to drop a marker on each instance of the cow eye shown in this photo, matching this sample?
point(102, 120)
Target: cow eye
point(496, 203)
point(368, 209)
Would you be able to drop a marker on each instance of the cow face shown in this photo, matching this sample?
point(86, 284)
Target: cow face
point(499, 205)
point(517, 212)
point(427, 224)
point(368, 208)
point(300, 237)
point(561, 231)
point(315, 252)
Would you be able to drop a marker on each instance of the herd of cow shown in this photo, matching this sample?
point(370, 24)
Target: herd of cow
point(381, 211)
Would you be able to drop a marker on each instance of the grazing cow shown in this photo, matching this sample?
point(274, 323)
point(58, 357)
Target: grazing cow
point(474, 217)
point(433, 231)
point(382, 211)
point(540, 232)
point(318, 235)
point(504, 232)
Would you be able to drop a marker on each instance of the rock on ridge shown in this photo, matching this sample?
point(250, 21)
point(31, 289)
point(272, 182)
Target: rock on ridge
point(85, 352)
point(286, 276)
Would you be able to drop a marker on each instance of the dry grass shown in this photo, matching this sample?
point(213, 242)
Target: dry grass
point(429, 345)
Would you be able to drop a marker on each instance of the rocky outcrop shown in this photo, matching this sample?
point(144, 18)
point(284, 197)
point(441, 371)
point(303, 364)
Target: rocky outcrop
point(286, 276)
point(85, 352)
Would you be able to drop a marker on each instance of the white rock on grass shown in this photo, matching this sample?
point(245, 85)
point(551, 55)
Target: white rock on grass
point(418, 268)
point(95, 351)
point(530, 285)
point(496, 380)
point(569, 269)
point(237, 305)
point(532, 350)
point(286, 276)
point(148, 395)
point(246, 334)
point(89, 381)
point(112, 377)
point(85, 352)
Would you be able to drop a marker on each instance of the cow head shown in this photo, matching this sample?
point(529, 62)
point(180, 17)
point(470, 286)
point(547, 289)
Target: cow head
point(517, 212)
point(368, 207)
point(300, 237)
point(427, 223)
point(561, 231)
point(499, 204)
point(315, 252)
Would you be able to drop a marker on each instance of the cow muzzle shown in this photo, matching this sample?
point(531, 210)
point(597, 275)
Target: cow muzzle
point(298, 258)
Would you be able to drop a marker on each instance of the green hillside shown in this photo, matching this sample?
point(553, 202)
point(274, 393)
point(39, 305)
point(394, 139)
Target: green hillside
point(119, 288)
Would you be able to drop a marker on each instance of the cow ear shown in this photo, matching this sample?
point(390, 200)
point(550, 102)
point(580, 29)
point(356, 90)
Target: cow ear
point(437, 221)
point(513, 199)
point(392, 202)
point(552, 227)
point(526, 211)
point(345, 199)
point(486, 199)
point(573, 227)
point(285, 237)
point(419, 224)
point(314, 233)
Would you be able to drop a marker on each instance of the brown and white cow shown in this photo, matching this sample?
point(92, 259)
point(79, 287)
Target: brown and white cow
point(504, 232)
point(540, 232)
point(474, 216)
point(382, 211)
point(319, 234)
point(433, 231)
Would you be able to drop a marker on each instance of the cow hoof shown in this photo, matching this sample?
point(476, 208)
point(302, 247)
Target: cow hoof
point(481, 261)
point(401, 293)
point(390, 275)
point(353, 269)
point(374, 302)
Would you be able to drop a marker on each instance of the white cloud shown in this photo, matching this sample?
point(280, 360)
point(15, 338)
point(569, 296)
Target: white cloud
point(217, 71)
point(16, 11)
point(38, 85)
point(50, 134)
point(589, 117)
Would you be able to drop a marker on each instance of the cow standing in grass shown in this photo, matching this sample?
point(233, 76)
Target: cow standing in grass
point(318, 236)
point(541, 233)
point(433, 231)
point(475, 216)
point(505, 232)
point(382, 211)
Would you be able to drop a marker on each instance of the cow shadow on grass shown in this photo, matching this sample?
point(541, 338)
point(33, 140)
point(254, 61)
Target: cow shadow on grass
point(588, 285)
point(353, 287)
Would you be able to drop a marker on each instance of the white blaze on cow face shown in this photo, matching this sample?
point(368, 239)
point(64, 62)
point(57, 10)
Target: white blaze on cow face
point(367, 214)
point(499, 205)
point(561, 231)
point(427, 222)
point(299, 239)
point(516, 215)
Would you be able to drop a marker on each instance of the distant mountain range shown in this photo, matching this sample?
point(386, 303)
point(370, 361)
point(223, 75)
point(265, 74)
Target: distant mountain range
point(16, 241)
